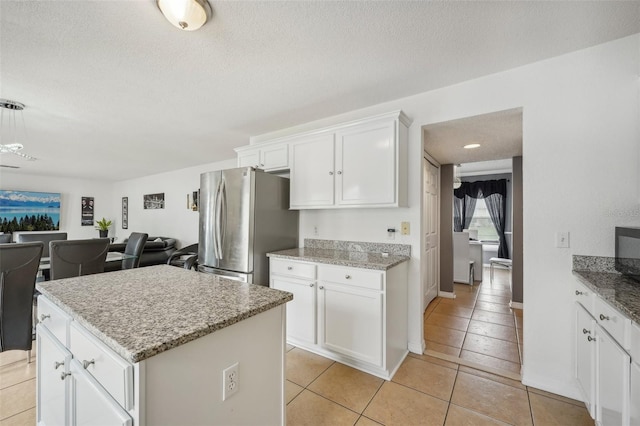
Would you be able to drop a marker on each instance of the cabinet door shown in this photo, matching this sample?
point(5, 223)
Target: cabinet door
point(312, 172)
point(52, 388)
point(274, 157)
point(90, 403)
point(585, 356)
point(613, 381)
point(249, 159)
point(351, 321)
point(366, 159)
point(301, 311)
point(635, 394)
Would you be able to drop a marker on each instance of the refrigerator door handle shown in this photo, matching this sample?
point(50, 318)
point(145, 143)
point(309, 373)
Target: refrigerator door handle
point(223, 217)
point(216, 226)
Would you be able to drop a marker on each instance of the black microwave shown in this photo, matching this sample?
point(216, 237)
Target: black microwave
point(628, 251)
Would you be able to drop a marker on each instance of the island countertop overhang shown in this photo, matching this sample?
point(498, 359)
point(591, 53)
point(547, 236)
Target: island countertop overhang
point(142, 312)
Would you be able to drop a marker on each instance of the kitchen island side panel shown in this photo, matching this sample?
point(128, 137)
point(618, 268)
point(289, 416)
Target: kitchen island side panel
point(184, 385)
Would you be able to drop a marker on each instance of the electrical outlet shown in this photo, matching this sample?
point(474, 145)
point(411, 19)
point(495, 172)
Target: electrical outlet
point(405, 228)
point(562, 239)
point(229, 381)
point(315, 231)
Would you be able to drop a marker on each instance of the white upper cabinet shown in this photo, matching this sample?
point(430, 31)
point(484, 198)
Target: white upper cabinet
point(268, 157)
point(357, 164)
point(312, 176)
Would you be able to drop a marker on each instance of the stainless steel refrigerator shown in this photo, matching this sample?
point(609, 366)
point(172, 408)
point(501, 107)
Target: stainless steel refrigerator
point(244, 214)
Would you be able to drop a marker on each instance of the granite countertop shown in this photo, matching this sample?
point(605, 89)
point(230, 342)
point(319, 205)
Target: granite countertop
point(356, 259)
point(142, 312)
point(597, 273)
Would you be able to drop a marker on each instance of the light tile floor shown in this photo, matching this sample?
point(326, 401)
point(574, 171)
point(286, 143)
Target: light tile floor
point(478, 326)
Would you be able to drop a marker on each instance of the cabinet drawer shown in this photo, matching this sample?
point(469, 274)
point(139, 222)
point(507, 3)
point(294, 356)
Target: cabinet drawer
point(635, 343)
point(113, 373)
point(293, 268)
point(54, 319)
point(612, 321)
point(364, 278)
point(584, 296)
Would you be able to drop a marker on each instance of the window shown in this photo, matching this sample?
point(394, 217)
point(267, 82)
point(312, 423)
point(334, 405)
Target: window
point(482, 222)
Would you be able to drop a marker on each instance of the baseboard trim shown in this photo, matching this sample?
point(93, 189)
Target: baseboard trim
point(417, 348)
point(446, 294)
point(516, 305)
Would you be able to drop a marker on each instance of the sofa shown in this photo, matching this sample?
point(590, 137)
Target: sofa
point(157, 251)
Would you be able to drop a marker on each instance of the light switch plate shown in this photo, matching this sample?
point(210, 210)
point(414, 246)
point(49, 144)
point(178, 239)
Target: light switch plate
point(562, 239)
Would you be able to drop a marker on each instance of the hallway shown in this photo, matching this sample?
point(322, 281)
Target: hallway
point(478, 326)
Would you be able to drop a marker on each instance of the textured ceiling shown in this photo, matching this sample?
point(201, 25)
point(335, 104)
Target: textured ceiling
point(113, 91)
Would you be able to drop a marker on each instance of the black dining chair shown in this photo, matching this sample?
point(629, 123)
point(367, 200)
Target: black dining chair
point(18, 269)
point(186, 257)
point(74, 258)
point(135, 245)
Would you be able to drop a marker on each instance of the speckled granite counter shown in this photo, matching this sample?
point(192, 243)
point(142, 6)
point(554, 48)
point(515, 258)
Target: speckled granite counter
point(141, 312)
point(598, 274)
point(356, 259)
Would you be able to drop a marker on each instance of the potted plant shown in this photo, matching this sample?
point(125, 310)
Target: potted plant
point(103, 227)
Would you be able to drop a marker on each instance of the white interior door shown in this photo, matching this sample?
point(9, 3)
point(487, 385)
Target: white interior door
point(431, 224)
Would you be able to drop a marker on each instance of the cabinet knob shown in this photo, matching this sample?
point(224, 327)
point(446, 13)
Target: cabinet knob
point(603, 317)
point(339, 172)
point(330, 173)
point(64, 375)
point(591, 339)
point(57, 364)
point(585, 331)
point(86, 364)
point(289, 268)
point(321, 287)
point(311, 285)
point(578, 293)
point(44, 317)
point(348, 277)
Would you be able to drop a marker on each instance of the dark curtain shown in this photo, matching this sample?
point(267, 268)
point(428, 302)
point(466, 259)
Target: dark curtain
point(458, 209)
point(495, 197)
point(469, 208)
point(464, 204)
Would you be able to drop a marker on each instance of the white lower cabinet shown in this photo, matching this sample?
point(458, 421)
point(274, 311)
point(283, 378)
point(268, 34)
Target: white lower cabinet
point(586, 356)
point(52, 388)
point(635, 394)
point(612, 400)
point(301, 311)
point(351, 321)
point(352, 315)
point(90, 403)
point(604, 370)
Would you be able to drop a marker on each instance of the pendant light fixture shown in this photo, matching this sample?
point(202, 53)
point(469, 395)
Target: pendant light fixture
point(188, 15)
point(457, 183)
point(9, 129)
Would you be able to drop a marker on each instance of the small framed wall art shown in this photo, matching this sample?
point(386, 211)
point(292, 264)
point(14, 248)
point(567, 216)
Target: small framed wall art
point(87, 211)
point(154, 201)
point(125, 212)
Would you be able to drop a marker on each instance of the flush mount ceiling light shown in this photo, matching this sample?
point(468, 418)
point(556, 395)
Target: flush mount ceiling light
point(188, 15)
point(9, 128)
point(472, 146)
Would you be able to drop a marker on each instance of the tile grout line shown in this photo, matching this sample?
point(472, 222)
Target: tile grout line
point(17, 414)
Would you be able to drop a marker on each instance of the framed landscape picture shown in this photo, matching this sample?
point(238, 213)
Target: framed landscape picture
point(29, 211)
point(125, 212)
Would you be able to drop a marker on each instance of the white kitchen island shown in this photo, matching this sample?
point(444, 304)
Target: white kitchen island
point(151, 345)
